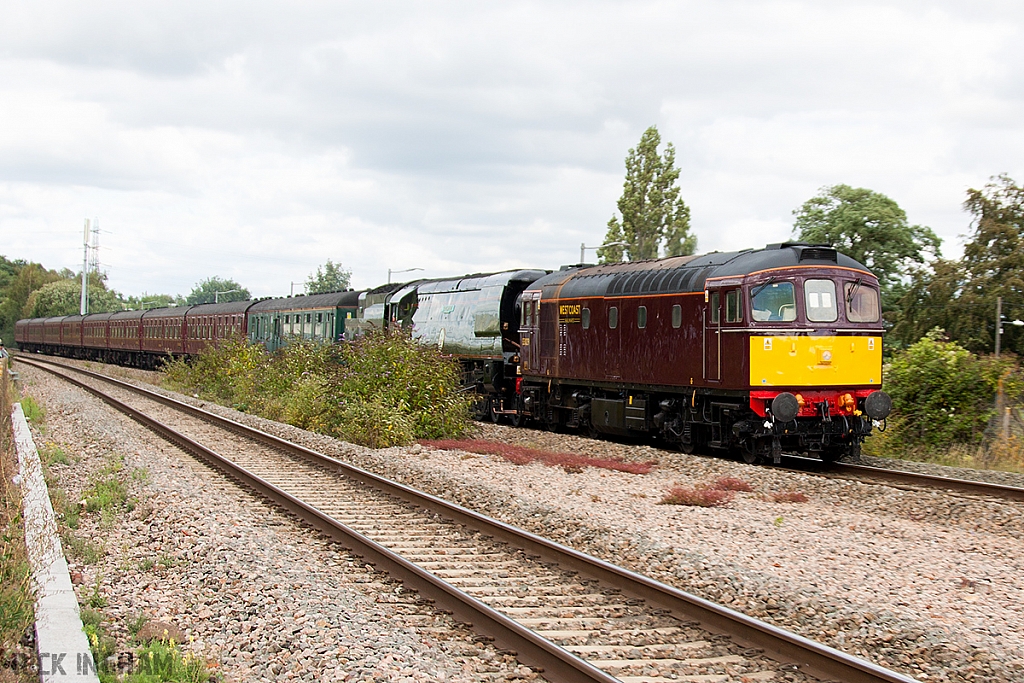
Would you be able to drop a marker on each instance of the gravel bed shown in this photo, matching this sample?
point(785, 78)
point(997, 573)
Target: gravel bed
point(923, 582)
point(253, 593)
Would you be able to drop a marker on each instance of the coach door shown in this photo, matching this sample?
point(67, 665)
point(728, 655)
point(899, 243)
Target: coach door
point(713, 335)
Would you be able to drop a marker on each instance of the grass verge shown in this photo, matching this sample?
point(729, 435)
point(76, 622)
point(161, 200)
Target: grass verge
point(16, 600)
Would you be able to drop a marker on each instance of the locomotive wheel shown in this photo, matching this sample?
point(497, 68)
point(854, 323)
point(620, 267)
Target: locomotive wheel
point(751, 457)
point(493, 412)
point(755, 451)
point(518, 420)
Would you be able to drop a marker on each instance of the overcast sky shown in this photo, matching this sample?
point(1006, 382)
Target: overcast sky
point(254, 141)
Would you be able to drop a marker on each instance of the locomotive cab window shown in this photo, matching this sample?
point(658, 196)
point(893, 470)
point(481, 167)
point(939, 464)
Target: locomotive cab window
point(773, 301)
point(641, 317)
point(716, 312)
point(613, 317)
point(861, 303)
point(585, 318)
point(732, 307)
point(677, 316)
point(820, 300)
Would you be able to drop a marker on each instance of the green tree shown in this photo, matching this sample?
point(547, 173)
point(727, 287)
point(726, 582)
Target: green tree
point(654, 218)
point(869, 227)
point(64, 297)
point(960, 296)
point(994, 262)
point(331, 277)
point(216, 289)
point(28, 278)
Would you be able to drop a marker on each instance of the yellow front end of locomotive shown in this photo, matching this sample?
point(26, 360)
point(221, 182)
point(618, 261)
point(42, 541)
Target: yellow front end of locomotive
point(791, 360)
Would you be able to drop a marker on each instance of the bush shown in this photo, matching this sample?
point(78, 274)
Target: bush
point(376, 425)
point(943, 394)
point(381, 390)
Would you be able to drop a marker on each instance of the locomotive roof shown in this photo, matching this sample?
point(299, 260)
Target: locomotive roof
point(688, 273)
point(290, 303)
point(468, 282)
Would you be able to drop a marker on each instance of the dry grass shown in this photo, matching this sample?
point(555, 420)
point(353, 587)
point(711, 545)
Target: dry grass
point(787, 497)
point(698, 496)
point(521, 455)
point(732, 484)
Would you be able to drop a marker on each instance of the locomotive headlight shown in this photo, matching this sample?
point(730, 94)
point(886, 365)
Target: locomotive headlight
point(878, 405)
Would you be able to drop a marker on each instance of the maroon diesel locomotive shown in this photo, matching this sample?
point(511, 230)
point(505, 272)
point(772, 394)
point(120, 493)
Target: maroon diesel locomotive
point(760, 350)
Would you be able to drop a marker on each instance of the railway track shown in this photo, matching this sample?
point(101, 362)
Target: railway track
point(903, 479)
point(569, 615)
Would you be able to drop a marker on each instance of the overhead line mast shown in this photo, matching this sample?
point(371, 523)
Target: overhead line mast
point(94, 228)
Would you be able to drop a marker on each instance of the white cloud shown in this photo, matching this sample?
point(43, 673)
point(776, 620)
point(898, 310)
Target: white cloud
point(255, 141)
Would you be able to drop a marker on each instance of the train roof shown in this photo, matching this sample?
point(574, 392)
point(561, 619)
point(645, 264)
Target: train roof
point(689, 273)
point(166, 312)
point(121, 315)
point(225, 308)
point(94, 317)
point(54, 319)
point(349, 297)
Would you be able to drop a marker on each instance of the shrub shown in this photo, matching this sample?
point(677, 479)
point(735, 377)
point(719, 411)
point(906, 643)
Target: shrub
point(943, 394)
point(384, 389)
point(698, 496)
point(375, 425)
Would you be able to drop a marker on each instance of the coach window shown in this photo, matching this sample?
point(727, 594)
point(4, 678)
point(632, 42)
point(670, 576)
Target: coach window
point(677, 316)
point(585, 318)
point(861, 303)
point(732, 307)
point(820, 299)
point(641, 317)
point(613, 317)
point(716, 313)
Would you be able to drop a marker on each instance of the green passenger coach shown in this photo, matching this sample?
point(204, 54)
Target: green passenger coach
point(273, 322)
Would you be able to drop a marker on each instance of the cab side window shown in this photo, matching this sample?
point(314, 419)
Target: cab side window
point(733, 312)
point(716, 313)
